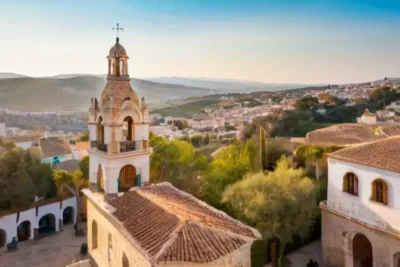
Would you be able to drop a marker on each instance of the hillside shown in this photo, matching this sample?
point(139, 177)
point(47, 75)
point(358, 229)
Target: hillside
point(74, 93)
point(232, 86)
point(8, 75)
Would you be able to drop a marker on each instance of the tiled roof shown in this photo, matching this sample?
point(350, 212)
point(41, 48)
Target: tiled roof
point(54, 147)
point(171, 225)
point(382, 154)
point(70, 165)
point(351, 133)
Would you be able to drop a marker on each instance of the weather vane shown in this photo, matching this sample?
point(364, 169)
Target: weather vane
point(117, 29)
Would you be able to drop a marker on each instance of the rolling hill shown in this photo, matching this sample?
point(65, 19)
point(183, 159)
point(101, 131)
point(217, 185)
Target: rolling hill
point(74, 93)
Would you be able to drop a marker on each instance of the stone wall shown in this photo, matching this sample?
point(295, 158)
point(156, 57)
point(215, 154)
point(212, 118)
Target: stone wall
point(120, 242)
point(337, 237)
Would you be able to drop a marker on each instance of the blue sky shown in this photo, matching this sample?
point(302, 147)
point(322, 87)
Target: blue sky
point(314, 41)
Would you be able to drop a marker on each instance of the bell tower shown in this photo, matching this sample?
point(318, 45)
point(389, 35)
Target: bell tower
point(118, 131)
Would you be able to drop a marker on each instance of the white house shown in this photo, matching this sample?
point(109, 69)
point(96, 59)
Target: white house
point(361, 217)
point(43, 218)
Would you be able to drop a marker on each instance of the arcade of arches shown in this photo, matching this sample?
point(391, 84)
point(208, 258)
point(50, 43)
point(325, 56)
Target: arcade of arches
point(68, 215)
point(127, 177)
point(47, 224)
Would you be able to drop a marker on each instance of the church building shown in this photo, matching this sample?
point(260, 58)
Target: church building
point(132, 223)
point(361, 218)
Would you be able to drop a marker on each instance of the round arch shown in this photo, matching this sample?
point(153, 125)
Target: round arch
point(47, 224)
point(127, 178)
point(3, 238)
point(125, 260)
point(379, 191)
point(100, 131)
point(24, 231)
point(350, 183)
point(94, 235)
point(129, 131)
point(358, 249)
point(68, 215)
point(100, 178)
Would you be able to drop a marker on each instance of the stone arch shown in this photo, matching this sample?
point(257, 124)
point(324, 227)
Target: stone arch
point(379, 191)
point(100, 178)
point(24, 231)
point(358, 250)
point(68, 215)
point(100, 131)
point(396, 260)
point(125, 260)
point(95, 234)
point(3, 238)
point(127, 178)
point(130, 108)
point(47, 224)
point(128, 123)
point(350, 183)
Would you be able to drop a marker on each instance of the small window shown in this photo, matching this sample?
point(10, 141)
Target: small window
point(125, 261)
point(380, 191)
point(350, 184)
point(94, 235)
point(110, 247)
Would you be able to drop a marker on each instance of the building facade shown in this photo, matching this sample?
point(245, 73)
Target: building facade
point(118, 131)
point(361, 218)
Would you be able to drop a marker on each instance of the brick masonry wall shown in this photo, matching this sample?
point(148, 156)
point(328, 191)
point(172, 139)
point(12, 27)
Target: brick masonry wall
point(120, 244)
point(337, 237)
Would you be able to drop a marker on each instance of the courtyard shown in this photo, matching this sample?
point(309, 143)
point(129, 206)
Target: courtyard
point(56, 250)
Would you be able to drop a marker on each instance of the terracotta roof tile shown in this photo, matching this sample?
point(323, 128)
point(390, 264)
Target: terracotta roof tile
point(382, 154)
point(171, 225)
point(351, 134)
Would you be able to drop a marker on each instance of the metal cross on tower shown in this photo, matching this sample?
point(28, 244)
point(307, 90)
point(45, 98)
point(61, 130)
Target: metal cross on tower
point(117, 29)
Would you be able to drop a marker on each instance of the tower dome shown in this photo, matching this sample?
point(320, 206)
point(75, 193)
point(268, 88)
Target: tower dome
point(117, 51)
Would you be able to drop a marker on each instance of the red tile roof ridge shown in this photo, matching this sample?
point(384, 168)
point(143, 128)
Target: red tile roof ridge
point(159, 202)
point(173, 237)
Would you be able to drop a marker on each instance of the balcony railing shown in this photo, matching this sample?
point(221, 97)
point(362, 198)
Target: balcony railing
point(120, 147)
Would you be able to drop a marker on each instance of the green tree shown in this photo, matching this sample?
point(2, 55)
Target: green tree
point(228, 167)
point(280, 204)
point(16, 187)
point(307, 103)
point(84, 166)
point(73, 182)
point(206, 139)
point(197, 140)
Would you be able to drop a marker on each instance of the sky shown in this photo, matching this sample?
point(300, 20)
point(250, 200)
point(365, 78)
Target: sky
point(277, 41)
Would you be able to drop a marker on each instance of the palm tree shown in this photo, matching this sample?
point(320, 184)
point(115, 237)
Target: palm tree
point(73, 182)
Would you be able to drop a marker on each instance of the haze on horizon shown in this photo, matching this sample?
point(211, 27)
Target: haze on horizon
point(287, 41)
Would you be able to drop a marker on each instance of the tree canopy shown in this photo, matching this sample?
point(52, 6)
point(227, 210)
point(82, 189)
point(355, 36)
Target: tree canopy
point(307, 102)
point(279, 204)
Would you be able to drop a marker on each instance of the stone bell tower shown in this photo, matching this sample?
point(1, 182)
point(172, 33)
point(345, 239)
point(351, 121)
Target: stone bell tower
point(118, 131)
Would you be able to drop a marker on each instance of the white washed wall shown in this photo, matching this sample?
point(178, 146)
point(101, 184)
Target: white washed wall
point(361, 207)
point(9, 223)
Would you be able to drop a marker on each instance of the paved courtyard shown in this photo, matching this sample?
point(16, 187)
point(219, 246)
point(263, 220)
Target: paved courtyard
point(300, 257)
point(56, 250)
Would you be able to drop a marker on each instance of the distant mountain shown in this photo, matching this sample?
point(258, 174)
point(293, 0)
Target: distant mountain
point(230, 85)
point(8, 75)
point(59, 94)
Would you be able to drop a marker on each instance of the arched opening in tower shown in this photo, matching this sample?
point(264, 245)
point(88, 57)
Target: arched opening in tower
point(100, 131)
point(128, 125)
point(127, 178)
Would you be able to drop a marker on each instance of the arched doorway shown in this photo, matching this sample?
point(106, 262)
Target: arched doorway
point(128, 128)
point(362, 251)
point(125, 261)
point(396, 260)
point(100, 178)
point(68, 215)
point(3, 238)
point(24, 231)
point(100, 131)
point(47, 225)
point(127, 178)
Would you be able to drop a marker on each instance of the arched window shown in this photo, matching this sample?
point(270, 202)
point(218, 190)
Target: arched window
point(128, 123)
point(110, 247)
point(127, 178)
point(350, 184)
point(94, 235)
point(380, 191)
point(100, 131)
point(125, 261)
